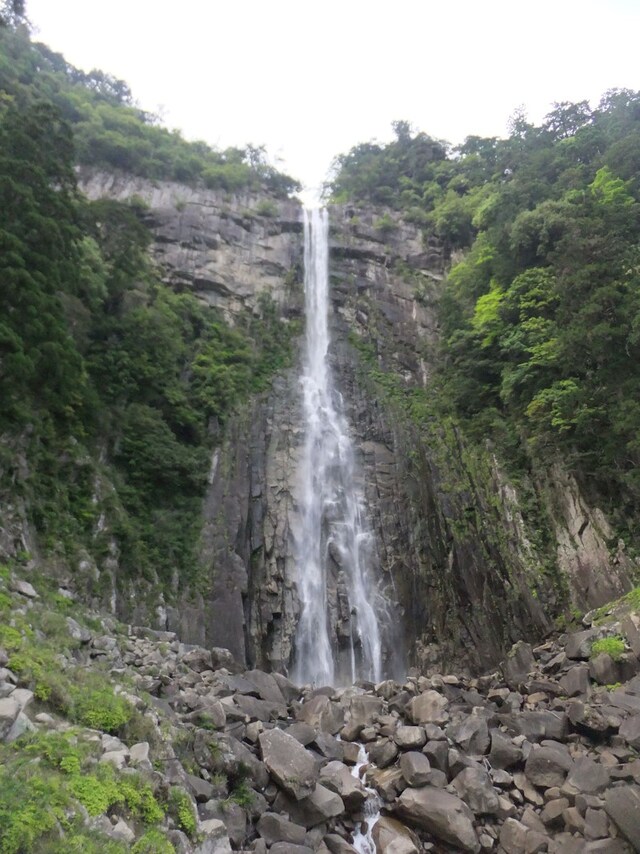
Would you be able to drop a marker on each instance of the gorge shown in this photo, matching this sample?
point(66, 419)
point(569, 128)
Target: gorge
point(301, 505)
point(448, 526)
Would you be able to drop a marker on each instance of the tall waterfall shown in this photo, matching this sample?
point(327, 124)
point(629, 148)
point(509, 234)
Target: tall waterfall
point(338, 635)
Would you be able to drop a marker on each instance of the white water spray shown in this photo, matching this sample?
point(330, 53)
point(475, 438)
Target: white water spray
point(338, 635)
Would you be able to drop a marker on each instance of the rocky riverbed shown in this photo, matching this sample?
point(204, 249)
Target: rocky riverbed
point(540, 755)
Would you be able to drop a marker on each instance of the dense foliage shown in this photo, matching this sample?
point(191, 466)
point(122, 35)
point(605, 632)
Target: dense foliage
point(111, 132)
point(541, 308)
point(98, 358)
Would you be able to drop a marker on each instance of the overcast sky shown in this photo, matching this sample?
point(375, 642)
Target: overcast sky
point(310, 80)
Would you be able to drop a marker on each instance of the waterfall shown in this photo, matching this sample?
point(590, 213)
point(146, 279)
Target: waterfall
point(338, 634)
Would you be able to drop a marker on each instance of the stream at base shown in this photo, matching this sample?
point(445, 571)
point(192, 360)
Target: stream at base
point(363, 838)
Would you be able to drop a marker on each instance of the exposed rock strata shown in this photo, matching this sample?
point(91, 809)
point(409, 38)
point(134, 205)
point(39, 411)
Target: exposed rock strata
point(456, 549)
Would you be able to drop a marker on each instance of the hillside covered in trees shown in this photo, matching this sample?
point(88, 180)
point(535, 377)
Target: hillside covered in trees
point(540, 311)
point(99, 360)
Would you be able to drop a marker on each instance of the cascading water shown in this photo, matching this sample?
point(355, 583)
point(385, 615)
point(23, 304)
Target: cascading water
point(338, 636)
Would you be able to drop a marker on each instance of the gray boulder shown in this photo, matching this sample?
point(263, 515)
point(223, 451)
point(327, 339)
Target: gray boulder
point(383, 752)
point(415, 768)
point(273, 827)
point(622, 805)
point(443, 815)
point(588, 776)
point(476, 790)
point(410, 737)
point(604, 670)
point(578, 646)
point(504, 753)
point(337, 845)
point(292, 766)
point(428, 708)
point(221, 657)
point(392, 837)
point(548, 766)
point(517, 665)
point(337, 777)
point(576, 681)
point(266, 686)
point(630, 731)
point(319, 807)
point(471, 734)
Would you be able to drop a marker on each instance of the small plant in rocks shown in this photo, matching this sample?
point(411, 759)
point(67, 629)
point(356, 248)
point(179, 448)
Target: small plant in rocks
point(613, 646)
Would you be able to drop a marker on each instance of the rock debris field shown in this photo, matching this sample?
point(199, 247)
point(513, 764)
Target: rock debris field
point(539, 756)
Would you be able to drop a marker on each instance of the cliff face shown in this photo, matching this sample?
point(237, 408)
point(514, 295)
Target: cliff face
point(227, 249)
point(470, 562)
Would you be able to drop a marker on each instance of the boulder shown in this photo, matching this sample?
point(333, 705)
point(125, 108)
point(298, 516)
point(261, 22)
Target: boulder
point(9, 711)
point(630, 731)
point(337, 845)
point(474, 787)
point(437, 752)
point(471, 734)
point(289, 848)
point(266, 686)
point(630, 626)
point(320, 806)
point(273, 827)
point(329, 746)
point(415, 768)
point(292, 766)
point(383, 752)
point(390, 836)
point(622, 805)
point(596, 825)
point(410, 737)
point(363, 710)
point(302, 732)
point(576, 681)
point(503, 753)
point(339, 779)
point(517, 665)
point(259, 710)
point(588, 776)
point(23, 588)
point(513, 837)
point(578, 645)
point(553, 813)
point(539, 724)
point(604, 670)
point(198, 659)
point(388, 782)
point(428, 708)
point(548, 766)
point(223, 658)
point(321, 714)
point(216, 840)
point(78, 632)
point(442, 814)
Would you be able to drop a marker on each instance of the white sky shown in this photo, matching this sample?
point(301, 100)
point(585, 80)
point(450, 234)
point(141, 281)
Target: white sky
point(310, 80)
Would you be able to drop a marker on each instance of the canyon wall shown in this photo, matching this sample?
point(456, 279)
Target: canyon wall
point(471, 562)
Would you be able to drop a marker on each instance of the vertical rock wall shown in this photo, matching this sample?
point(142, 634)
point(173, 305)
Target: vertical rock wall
point(468, 567)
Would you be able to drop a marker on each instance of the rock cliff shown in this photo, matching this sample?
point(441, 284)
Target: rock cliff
point(472, 564)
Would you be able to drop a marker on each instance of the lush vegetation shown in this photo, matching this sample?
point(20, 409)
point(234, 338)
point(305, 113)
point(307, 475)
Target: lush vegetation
point(111, 132)
point(107, 376)
point(540, 312)
point(52, 777)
